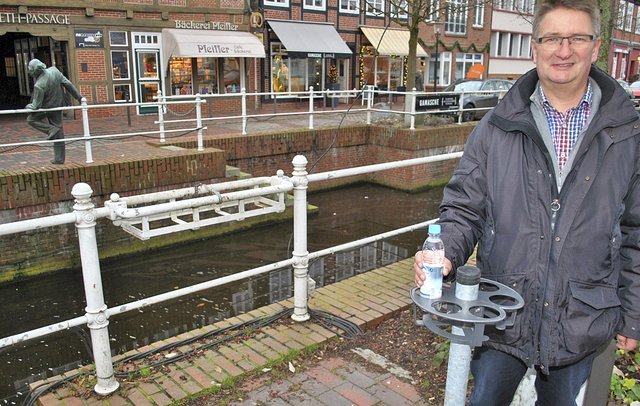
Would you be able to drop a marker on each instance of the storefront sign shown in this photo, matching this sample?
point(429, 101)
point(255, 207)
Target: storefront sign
point(32, 18)
point(211, 25)
point(89, 39)
point(217, 49)
point(437, 102)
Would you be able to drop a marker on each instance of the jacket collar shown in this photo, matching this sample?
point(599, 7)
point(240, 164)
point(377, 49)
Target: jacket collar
point(512, 113)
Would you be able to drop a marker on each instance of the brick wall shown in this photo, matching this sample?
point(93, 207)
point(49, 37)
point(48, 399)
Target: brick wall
point(32, 194)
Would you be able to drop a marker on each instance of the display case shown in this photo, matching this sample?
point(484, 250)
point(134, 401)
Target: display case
point(181, 76)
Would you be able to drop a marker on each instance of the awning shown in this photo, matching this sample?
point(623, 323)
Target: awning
point(310, 40)
point(394, 41)
point(209, 43)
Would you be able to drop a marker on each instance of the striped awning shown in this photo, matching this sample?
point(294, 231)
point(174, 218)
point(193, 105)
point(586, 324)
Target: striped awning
point(394, 41)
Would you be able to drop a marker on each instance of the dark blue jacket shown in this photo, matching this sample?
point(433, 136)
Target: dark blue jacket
point(580, 280)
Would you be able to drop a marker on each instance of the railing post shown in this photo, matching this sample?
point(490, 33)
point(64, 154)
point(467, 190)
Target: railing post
point(413, 109)
point(96, 309)
point(369, 104)
point(243, 92)
point(311, 107)
point(199, 121)
point(460, 107)
point(161, 114)
point(300, 253)
point(85, 130)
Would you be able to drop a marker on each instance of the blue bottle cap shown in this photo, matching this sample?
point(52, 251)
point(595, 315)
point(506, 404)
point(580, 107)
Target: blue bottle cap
point(434, 229)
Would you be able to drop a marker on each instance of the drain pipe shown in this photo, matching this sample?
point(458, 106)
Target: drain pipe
point(467, 285)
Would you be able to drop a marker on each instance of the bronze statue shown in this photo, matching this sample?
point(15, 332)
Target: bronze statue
point(48, 93)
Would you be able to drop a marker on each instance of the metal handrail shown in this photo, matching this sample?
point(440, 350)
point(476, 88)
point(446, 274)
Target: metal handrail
point(118, 210)
point(198, 123)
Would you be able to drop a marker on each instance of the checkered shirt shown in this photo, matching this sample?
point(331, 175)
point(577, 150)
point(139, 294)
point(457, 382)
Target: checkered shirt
point(566, 127)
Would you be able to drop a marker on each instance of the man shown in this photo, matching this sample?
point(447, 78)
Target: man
point(549, 188)
point(48, 93)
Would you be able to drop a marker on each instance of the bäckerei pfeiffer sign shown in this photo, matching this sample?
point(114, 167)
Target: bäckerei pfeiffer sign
point(201, 25)
point(34, 18)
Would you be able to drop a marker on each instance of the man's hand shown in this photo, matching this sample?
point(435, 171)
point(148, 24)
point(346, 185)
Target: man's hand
point(626, 343)
point(29, 106)
point(419, 274)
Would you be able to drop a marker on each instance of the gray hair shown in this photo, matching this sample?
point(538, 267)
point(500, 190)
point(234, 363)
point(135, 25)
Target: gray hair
point(588, 6)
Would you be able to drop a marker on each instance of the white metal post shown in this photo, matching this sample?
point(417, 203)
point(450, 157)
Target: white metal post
point(311, 107)
point(161, 115)
point(85, 130)
point(244, 110)
point(96, 309)
point(369, 103)
point(199, 121)
point(300, 253)
point(413, 109)
point(460, 107)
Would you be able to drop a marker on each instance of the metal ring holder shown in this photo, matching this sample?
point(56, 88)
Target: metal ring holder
point(496, 305)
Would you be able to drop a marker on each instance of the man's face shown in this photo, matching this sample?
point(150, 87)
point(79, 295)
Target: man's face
point(566, 63)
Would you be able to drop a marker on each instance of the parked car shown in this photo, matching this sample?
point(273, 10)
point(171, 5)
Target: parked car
point(484, 94)
point(626, 88)
point(635, 87)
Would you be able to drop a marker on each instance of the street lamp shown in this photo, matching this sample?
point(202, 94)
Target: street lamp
point(436, 31)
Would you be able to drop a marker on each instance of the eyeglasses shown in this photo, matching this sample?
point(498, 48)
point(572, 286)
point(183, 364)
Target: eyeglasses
point(575, 41)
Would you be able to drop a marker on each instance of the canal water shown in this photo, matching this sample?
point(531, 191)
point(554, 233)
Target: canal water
point(344, 215)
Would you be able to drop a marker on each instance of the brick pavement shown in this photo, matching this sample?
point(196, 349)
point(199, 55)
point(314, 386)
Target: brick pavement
point(331, 381)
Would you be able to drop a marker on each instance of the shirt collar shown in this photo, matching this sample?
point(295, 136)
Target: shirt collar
point(586, 101)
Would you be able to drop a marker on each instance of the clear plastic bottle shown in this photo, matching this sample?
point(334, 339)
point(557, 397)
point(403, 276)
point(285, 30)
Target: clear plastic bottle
point(432, 263)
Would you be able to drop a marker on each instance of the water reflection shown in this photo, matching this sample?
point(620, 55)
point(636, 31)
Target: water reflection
point(345, 215)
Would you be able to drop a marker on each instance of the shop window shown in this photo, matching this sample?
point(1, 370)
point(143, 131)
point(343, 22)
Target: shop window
point(280, 74)
point(367, 68)
point(10, 67)
point(298, 74)
point(382, 73)
point(118, 38)
point(121, 93)
point(395, 73)
point(148, 65)
point(464, 62)
point(315, 73)
point(148, 91)
point(120, 64)
point(207, 75)
point(231, 75)
point(181, 80)
point(444, 68)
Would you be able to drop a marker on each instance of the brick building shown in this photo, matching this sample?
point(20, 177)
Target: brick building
point(119, 50)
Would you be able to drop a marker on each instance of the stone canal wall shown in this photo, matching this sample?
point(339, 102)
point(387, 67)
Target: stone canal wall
point(34, 193)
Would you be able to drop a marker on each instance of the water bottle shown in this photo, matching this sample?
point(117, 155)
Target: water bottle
point(432, 263)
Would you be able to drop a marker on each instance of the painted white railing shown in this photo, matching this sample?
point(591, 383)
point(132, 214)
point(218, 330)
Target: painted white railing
point(200, 199)
point(194, 120)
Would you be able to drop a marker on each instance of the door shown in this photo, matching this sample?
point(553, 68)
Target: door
point(147, 60)
point(148, 78)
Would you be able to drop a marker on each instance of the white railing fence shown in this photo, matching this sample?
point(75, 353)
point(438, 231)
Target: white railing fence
point(192, 119)
point(202, 205)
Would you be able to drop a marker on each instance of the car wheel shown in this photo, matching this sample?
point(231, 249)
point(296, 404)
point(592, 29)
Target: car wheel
point(468, 115)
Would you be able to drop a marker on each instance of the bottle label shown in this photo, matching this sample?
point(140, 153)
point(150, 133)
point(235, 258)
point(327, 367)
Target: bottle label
point(432, 286)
